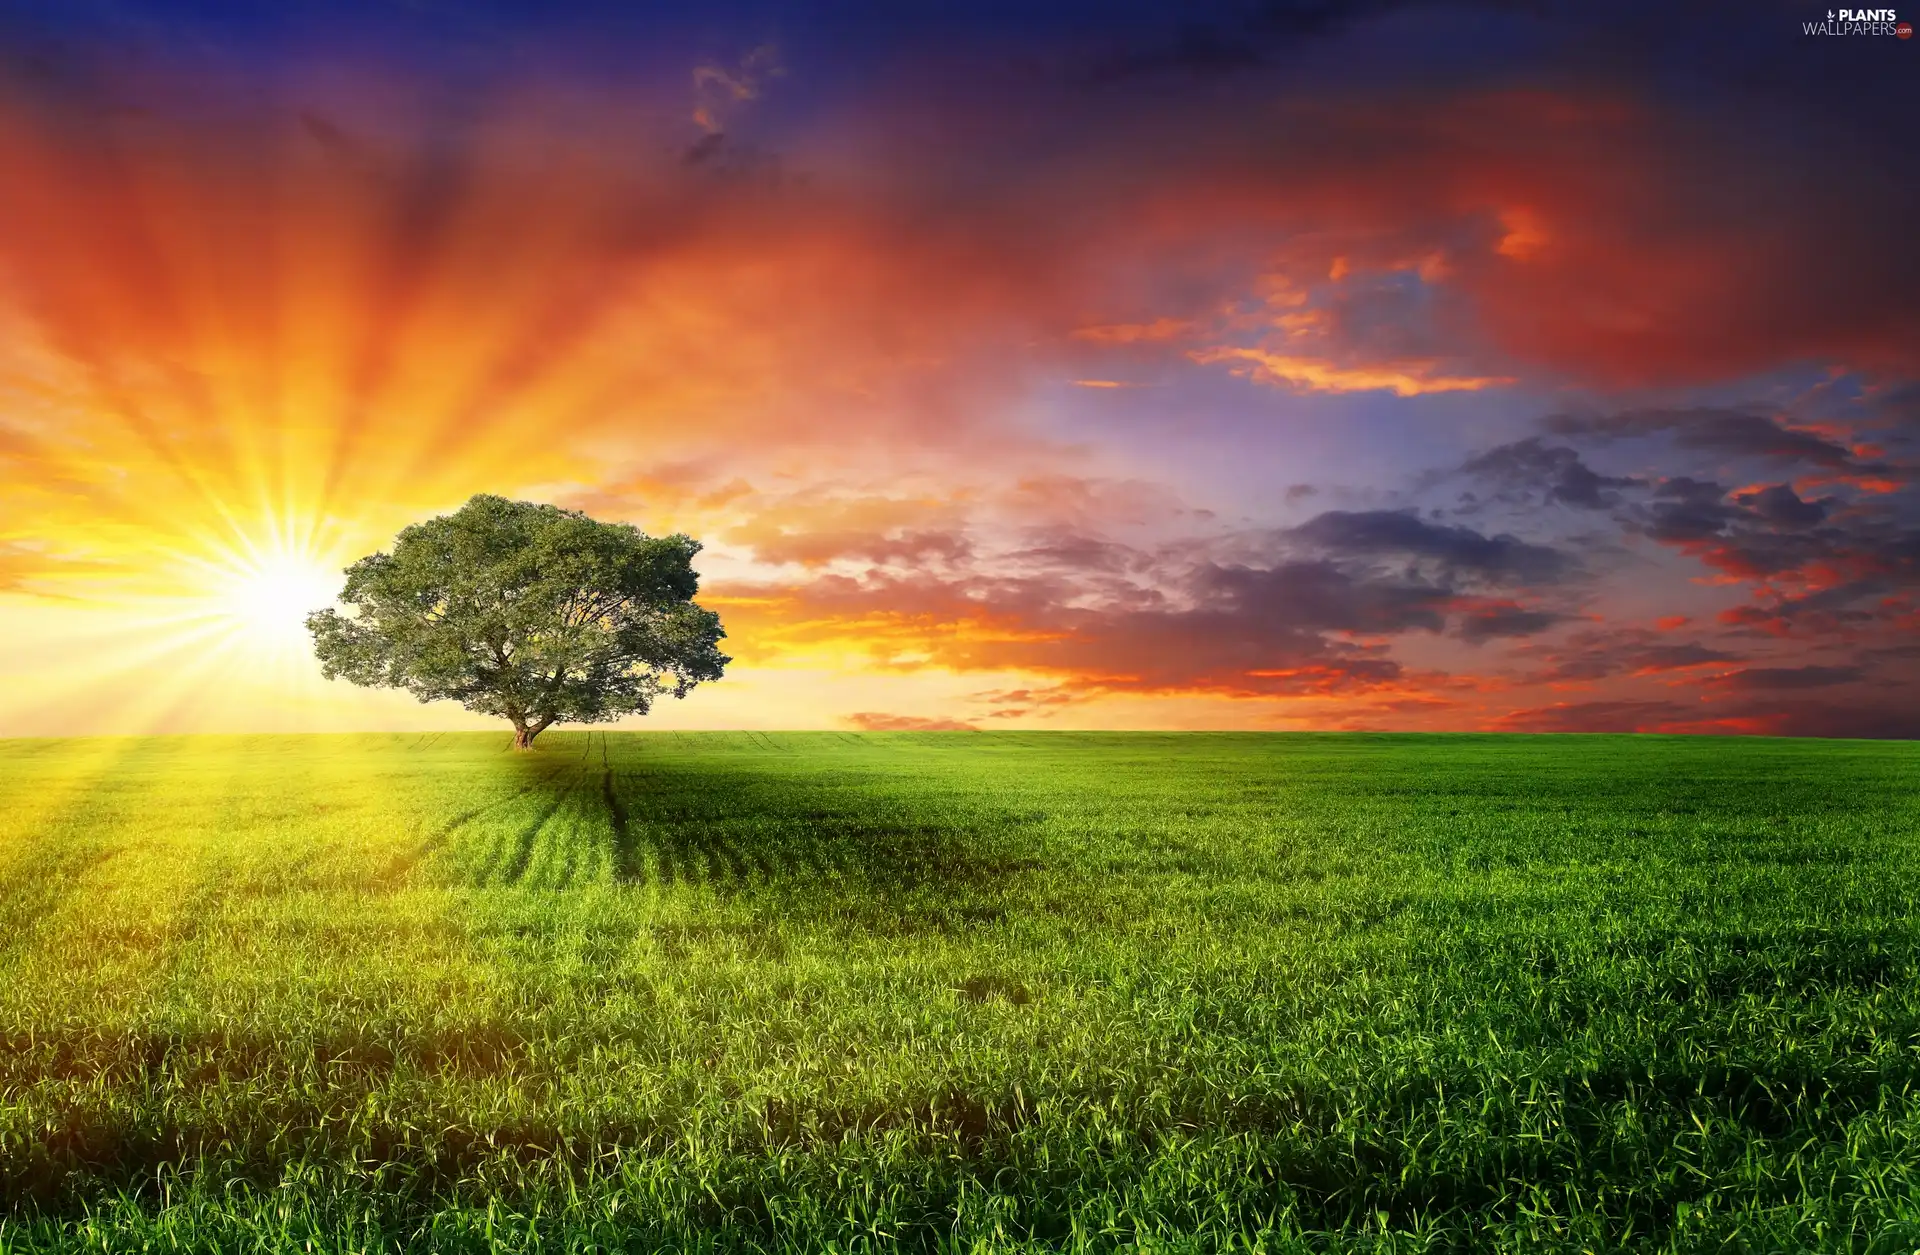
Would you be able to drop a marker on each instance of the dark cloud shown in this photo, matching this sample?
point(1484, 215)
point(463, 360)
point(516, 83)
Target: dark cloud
point(1871, 541)
point(1488, 622)
point(1320, 596)
point(1767, 678)
point(1818, 562)
point(1726, 432)
point(1770, 718)
point(1459, 551)
point(1866, 552)
point(1684, 509)
point(1777, 716)
point(1781, 506)
point(1846, 607)
point(1598, 653)
point(1602, 716)
point(1555, 473)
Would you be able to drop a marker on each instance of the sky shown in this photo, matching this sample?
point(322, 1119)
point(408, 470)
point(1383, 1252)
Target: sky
point(1264, 365)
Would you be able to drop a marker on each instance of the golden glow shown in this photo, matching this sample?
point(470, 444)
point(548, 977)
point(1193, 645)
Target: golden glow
point(242, 594)
point(266, 598)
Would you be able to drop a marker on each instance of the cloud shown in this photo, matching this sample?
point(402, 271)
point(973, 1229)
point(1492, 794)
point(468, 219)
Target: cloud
point(1320, 596)
point(1062, 548)
point(1654, 659)
point(1781, 506)
point(1403, 378)
point(1686, 509)
point(1489, 621)
point(1086, 501)
point(1241, 632)
point(1443, 237)
point(1812, 560)
point(1728, 432)
point(1022, 702)
point(1849, 610)
point(1600, 716)
point(1457, 551)
point(1893, 721)
point(1750, 679)
point(1749, 543)
point(1291, 613)
point(812, 528)
point(1601, 652)
point(1773, 718)
point(1555, 474)
point(876, 721)
point(1160, 329)
point(719, 91)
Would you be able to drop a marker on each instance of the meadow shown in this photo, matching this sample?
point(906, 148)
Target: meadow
point(959, 992)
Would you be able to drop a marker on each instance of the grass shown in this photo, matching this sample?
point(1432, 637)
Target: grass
point(959, 992)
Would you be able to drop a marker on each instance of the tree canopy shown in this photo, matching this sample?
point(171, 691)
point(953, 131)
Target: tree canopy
point(528, 612)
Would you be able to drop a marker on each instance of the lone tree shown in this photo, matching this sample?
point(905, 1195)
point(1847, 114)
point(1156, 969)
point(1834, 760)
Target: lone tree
point(529, 612)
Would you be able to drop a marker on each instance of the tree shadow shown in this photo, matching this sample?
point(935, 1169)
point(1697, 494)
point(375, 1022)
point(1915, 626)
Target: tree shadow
point(753, 831)
point(548, 778)
point(858, 841)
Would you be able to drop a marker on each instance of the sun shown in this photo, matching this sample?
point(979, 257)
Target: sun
point(249, 594)
point(268, 599)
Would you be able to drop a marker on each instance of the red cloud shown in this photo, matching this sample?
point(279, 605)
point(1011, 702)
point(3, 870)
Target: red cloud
point(1447, 240)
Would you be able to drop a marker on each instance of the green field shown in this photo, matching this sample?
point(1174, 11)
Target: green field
point(959, 992)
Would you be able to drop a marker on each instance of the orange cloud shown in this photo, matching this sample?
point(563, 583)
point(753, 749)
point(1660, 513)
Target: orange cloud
point(1159, 330)
point(1405, 379)
point(815, 528)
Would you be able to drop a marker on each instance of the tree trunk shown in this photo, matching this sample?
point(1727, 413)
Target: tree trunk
point(523, 735)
